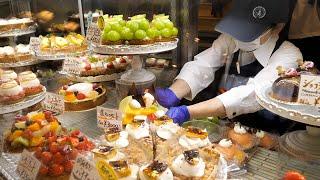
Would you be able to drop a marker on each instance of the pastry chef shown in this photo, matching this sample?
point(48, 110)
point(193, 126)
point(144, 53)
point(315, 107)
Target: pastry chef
point(249, 48)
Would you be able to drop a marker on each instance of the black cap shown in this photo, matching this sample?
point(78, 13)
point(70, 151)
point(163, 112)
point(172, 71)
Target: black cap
point(248, 19)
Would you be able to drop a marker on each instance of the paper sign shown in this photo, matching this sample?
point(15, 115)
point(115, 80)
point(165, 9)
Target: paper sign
point(84, 170)
point(72, 65)
point(28, 166)
point(109, 118)
point(54, 103)
point(34, 44)
point(106, 171)
point(94, 33)
point(309, 90)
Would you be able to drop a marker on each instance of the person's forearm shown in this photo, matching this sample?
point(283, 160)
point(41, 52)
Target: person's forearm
point(180, 88)
point(212, 107)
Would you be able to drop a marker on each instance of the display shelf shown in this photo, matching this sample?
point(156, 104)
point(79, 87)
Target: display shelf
point(20, 64)
point(100, 78)
point(27, 102)
point(136, 49)
point(304, 145)
point(18, 32)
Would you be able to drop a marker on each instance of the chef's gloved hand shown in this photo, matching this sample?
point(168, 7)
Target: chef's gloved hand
point(166, 97)
point(179, 114)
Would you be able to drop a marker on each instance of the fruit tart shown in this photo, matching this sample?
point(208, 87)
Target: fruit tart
point(83, 96)
point(125, 171)
point(107, 153)
point(164, 28)
point(69, 44)
point(115, 137)
point(32, 130)
point(58, 154)
point(155, 171)
point(194, 137)
point(11, 92)
point(241, 137)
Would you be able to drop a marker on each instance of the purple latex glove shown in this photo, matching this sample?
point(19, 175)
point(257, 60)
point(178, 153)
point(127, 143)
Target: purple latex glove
point(166, 97)
point(179, 114)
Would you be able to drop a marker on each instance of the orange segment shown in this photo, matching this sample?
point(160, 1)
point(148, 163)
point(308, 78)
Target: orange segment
point(34, 127)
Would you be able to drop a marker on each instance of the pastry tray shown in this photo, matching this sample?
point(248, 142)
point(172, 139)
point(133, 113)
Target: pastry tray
point(298, 112)
point(19, 32)
point(136, 49)
point(21, 63)
point(27, 102)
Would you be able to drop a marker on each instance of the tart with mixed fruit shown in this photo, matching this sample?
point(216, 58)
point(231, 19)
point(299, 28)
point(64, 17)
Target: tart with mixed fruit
point(32, 130)
point(96, 65)
point(59, 152)
point(15, 54)
point(83, 96)
point(69, 44)
point(137, 30)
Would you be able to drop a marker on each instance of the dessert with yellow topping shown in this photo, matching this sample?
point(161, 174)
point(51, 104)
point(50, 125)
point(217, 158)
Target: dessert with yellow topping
point(155, 171)
point(107, 153)
point(194, 137)
point(125, 171)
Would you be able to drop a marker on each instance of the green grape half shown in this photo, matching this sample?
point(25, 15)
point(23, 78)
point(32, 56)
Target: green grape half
point(144, 24)
point(113, 36)
point(166, 32)
point(152, 33)
point(127, 34)
point(133, 25)
point(174, 31)
point(140, 34)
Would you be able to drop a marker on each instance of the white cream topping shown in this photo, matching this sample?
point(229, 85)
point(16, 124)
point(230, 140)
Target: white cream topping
point(119, 156)
point(166, 175)
point(8, 50)
point(239, 129)
point(193, 143)
point(166, 131)
point(159, 113)
point(22, 49)
point(138, 132)
point(225, 143)
point(134, 173)
point(119, 143)
point(260, 134)
point(26, 74)
point(84, 88)
point(14, 89)
point(148, 99)
point(182, 167)
point(140, 117)
point(30, 83)
point(135, 104)
point(8, 75)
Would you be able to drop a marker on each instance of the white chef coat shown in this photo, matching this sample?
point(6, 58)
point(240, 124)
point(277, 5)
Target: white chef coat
point(239, 100)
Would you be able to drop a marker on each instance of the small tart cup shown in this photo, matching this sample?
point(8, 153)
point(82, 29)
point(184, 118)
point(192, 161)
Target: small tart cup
point(245, 141)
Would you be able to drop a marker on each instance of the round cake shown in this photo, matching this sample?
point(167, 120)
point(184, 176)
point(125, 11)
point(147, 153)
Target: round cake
point(286, 87)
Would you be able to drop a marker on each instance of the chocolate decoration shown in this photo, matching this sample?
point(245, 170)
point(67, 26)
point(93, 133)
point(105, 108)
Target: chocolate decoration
point(117, 165)
point(104, 149)
point(157, 166)
point(190, 156)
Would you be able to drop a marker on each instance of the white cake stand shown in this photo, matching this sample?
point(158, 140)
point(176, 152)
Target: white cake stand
point(137, 74)
point(305, 144)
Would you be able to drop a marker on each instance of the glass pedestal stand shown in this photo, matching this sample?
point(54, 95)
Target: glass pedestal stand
point(299, 150)
point(139, 76)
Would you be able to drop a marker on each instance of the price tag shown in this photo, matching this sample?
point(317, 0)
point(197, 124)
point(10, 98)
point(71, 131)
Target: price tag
point(72, 65)
point(94, 34)
point(109, 118)
point(84, 170)
point(34, 44)
point(106, 171)
point(309, 90)
point(28, 166)
point(54, 103)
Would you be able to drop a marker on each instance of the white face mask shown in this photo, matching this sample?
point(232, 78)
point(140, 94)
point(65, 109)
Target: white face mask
point(251, 46)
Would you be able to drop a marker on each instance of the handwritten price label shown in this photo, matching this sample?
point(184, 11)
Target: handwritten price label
point(94, 34)
point(106, 171)
point(53, 102)
point(72, 65)
point(28, 166)
point(84, 170)
point(109, 118)
point(309, 90)
point(34, 44)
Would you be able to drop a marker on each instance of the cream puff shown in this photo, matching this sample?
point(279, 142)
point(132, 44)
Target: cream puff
point(11, 92)
point(31, 85)
point(230, 151)
point(8, 75)
point(266, 140)
point(155, 171)
point(115, 138)
point(240, 136)
point(138, 129)
point(189, 164)
point(107, 153)
point(124, 171)
point(193, 138)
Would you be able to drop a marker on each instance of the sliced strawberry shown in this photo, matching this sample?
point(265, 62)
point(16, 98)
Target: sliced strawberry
point(38, 153)
point(68, 165)
point(62, 140)
point(73, 154)
point(75, 133)
point(81, 96)
point(58, 158)
point(54, 147)
point(52, 139)
point(56, 170)
point(293, 175)
point(87, 67)
point(43, 170)
point(46, 157)
point(110, 65)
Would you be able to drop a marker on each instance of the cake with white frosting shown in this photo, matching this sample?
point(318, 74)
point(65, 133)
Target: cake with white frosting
point(15, 23)
point(19, 53)
point(155, 171)
point(11, 92)
point(116, 138)
point(194, 137)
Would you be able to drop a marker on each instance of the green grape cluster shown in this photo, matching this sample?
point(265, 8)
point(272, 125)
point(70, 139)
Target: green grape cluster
point(137, 28)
